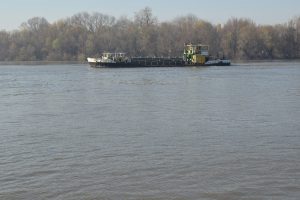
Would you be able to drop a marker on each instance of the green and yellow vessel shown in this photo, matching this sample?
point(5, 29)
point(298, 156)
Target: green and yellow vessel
point(193, 55)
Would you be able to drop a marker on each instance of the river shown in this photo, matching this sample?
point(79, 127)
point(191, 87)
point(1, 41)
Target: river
point(213, 133)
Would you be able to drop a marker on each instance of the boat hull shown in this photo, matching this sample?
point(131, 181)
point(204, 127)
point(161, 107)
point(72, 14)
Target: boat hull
point(154, 62)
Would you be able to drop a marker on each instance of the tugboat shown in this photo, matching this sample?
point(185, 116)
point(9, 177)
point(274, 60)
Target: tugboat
point(193, 55)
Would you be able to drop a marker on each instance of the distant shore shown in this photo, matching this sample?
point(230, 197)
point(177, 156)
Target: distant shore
point(235, 62)
point(41, 62)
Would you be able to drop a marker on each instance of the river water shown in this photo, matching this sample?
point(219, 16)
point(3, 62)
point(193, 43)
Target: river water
point(75, 132)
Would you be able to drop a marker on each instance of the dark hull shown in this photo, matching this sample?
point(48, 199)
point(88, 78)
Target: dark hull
point(131, 65)
point(156, 62)
point(220, 63)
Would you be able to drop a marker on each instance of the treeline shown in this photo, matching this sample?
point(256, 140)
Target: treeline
point(86, 34)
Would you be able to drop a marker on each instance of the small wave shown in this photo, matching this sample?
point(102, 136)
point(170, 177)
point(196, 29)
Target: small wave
point(40, 173)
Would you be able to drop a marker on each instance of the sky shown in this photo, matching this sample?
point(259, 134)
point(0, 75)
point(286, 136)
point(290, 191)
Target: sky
point(14, 12)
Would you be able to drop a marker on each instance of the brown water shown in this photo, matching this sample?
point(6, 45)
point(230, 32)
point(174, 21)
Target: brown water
point(74, 132)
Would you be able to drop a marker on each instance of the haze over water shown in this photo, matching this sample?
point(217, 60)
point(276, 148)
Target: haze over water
point(74, 132)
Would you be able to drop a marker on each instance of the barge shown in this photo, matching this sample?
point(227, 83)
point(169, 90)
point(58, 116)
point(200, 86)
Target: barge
point(193, 55)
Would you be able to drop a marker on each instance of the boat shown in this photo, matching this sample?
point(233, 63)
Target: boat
point(193, 55)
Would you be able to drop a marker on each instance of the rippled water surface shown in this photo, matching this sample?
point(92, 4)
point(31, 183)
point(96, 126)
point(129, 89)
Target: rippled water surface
point(74, 132)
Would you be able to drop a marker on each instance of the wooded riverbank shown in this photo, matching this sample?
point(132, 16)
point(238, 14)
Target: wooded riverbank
point(88, 35)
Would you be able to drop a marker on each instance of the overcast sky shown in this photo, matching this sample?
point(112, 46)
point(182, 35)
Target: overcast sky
point(14, 12)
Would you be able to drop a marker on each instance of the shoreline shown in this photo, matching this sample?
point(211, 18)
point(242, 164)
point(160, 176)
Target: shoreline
point(41, 62)
point(234, 62)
